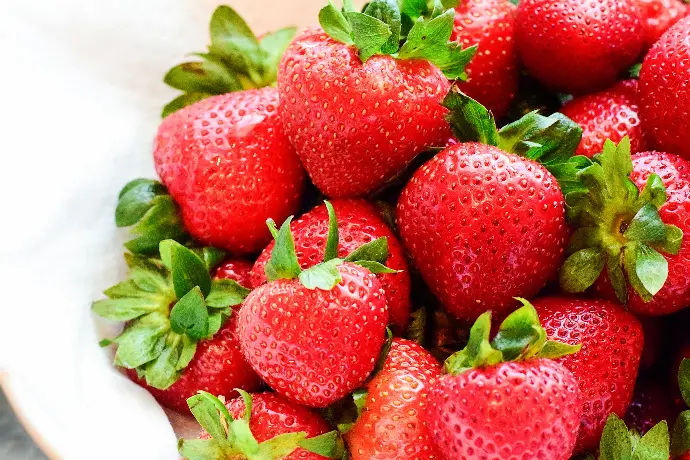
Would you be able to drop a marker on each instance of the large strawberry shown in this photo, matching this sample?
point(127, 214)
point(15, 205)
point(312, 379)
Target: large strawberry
point(238, 270)
point(506, 399)
point(177, 338)
point(359, 223)
point(492, 76)
point(358, 106)
point(227, 163)
point(393, 425)
point(607, 364)
point(314, 335)
point(578, 46)
point(631, 222)
point(665, 91)
point(482, 224)
point(261, 426)
point(609, 114)
point(659, 16)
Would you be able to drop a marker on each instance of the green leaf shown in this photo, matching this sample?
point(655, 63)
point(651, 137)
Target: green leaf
point(141, 342)
point(673, 239)
point(470, 121)
point(375, 267)
point(212, 257)
point(368, 33)
point(323, 276)
point(216, 320)
point(188, 270)
point(331, 251)
point(162, 372)
point(373, 251)
point(520, 334)
point(125, 308)
point(654, 191)
point(387, 11)
point(634, 71)
point(187, 353)
point(232, 39)
point(283, 263)
point(383, 354)
point(646, 226)
point(162, 221)
point(684, 380)
point(211, 414)
point(413, 8)
point(647, 270)
point(581, 270)
point(135, 199)
point(680, 440)
point(273, 46)
point(614, 270)
point(190, 315)
point(416, 331)
point(200, 449)
point(181, 101)
point(555, 350)
point(327, 445)
point(654, 445)
point(615, 441)
point(478, 352)
point(226, 293)
point(335, 24)
point(208, 76)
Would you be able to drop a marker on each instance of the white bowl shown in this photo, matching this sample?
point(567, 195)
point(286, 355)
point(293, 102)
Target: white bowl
point(82, 94)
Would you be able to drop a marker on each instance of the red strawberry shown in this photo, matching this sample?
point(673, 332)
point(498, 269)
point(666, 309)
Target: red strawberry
point(660, 15)
point(606, 366)
point(665, 91)
point(493, 72)
point(237, 270)
point(261, 426)
point(650, 405)
point(392, 425)
point(357, 115)
point(609, 114)
point(504, 399)
point(228, 164)
point(358, 223)
point(578, 47)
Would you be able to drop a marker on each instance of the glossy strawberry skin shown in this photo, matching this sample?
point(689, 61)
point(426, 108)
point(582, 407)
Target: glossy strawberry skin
point(392, 425)
point(524, 411)
point(674, 172)
point(218, 367)
point(228, 164)
point(359, 223)
point(238, 270)
point(609, 114)
point(665, 91)
point(607, 364)
point(650, 405)
point(659, 16)
point(483, 226)
point(578, 46)
point(315, 346)
point(493, 72)
point(356, 125)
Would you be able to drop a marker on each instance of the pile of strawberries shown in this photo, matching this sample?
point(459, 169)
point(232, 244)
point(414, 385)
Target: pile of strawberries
point(447, 160)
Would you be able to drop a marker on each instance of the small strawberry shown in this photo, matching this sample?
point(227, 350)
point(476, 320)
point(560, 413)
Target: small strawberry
point(392, 425)
point(492, 76)
point(665, 91)
point(229, 166)
point(482, 224)
point(650, 405)
point(659, 16)
point(359, 223)
point(607, 364)
point(314, 335)
point(578, 46)
point(237, 270)
point(261, 426)
point(505, 399)
point(631, 221)
point(619, 443)
point(609, 114)
point(358, 106)
point(179, 335)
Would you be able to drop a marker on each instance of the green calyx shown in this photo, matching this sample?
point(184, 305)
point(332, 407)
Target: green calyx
point(168, 304)
point(325, 275)
point(550, 141)
point(411, 29)
point(236, 60)
point(233, 439)
point(619, 443)
point(618, 228)
point(520, 337)
point(680, 439)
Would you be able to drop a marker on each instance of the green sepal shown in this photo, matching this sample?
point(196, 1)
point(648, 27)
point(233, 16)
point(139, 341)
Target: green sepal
point(211, 256)
point(478, 352)
point(680, 439)
point(329, 445)
point(226, 293)
point(323, 276)
point(373, 251)
point(383, 354)
point(416, 330)
point(619, 443)
point(470, 120)
point(190, 316)
point(188, 270)
point(634, 70)
point(375, 267)
point(345, 413)
point(581, 269)
point(283, 263)
point(333, 238)
point(684, 380)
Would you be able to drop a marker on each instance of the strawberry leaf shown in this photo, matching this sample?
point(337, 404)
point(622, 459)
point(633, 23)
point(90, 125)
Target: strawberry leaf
point(181, 101)
point(478, 352)
point(615, 441)
point(582, 269)
point(190, 316)
point(331, 251)
point(209, 76)
point(680, 440)
point(416, 330)
point(368, 33)
point(226, 293)
point(388, 12)
point(469, 120)
point(684, 380)
point(328, 445)
point(335, 24)
point(283, 263)
point(375, 267)
point(323, 276)
point(654, 445)
point(188, 270)
point(373, 251)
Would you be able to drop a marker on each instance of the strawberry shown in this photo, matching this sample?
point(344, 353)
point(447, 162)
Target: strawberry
point(355, 113)
point(607, 364)
point(632, 222)
point(482, 224)
point(314, 335)
point(665, 91)
point(493, 73)
point(227, 163)
point(650, 405)
point(659, 16)
point(237, 270)
point(578, 47)
point(392, 424)
point(260, 426)
point(358, 223)
point(609, 114)
point(180, 336)
point(505, 399)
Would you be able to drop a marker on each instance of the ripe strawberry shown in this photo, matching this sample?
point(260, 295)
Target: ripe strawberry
point(606, 365)
point(493, 73)
point(237, 270)
point(314, 335)
point(259, 426)
point(609, 114)
point(358, 223)
point(660, 15)
point(229, 166)
point(392, 425)
point(180, 336)
point(357, 115)
point(578, 47)
point(665, 91)
point(650, 405)
point(484, 225)
point(504, 399)
point(631, 221)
